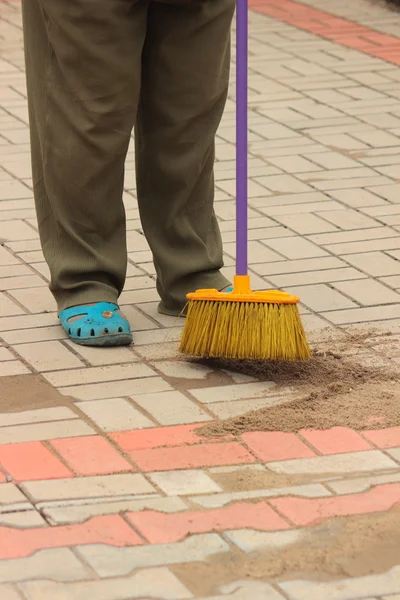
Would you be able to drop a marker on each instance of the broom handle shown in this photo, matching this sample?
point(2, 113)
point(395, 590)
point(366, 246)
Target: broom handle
point(242, 18)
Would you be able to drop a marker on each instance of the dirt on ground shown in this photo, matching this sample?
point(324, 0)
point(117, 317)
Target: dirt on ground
point(29, 392)
point(346, 383)
point(245, 480)
point(341, 547)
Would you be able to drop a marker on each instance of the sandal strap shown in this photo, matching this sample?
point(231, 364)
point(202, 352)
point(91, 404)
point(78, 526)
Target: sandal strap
point(94, 311)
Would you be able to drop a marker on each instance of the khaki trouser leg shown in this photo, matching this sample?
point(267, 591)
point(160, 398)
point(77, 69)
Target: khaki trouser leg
point(83, 68)
point(184, 87)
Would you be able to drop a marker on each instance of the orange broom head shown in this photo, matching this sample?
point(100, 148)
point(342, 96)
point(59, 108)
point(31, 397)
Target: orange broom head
point(245, 325)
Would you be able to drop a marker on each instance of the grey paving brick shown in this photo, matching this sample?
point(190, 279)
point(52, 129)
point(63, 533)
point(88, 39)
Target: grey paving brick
point(340, 237)
point(300, 266)
point(114, 414)
point(88, 487)
point(355, 462)
point(156, 583)
point(296, 248)
point(112, 562)
point(72, 512)
point(183, 483)
point(11, 498)
point(367, 292)
point(44, 431)
point(171, 408)
point(250, 540)
point(348, 589)
point(312, 490)
point(249, 590)
point(59, 564)
point(313, 277)
point(374, 314)
point(101, 391)
point(376, 264)
point(7, 592)
point(234, 392)
point(41, 415)
point(321, 297)
point(359, 197)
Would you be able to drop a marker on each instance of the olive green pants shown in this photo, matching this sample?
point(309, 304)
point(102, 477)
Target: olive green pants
point(96, 69)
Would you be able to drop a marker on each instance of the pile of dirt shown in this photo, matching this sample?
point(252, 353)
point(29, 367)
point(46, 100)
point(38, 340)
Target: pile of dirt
point(340, 548)
point(338, 387)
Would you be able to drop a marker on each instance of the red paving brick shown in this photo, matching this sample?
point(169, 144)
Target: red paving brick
point(158, 437)
point(302, 511)
point(191, 457)
point(161, 528)
point(330, 27)
point(30, 461)
point(384, 438)
point(335, 441)
point(91, 455)
point(275, 445)
point(109, 529)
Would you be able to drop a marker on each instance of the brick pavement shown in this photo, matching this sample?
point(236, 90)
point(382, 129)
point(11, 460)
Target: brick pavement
point(106, 487)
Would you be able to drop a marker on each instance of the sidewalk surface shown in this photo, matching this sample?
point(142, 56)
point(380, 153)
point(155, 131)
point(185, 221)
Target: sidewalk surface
point(108, 490)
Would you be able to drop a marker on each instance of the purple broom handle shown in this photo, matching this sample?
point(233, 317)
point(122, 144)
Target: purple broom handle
point(242, 18)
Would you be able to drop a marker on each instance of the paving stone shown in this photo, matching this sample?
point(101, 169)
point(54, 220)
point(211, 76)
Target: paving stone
point(59, 564)
point(191, 457)
point(44, 431)
point(11, 498)
point(107, 529)
point(41, 415)
point(247, 590)
point(362, 484)
point(98, 374)
point(384, 438)
point(130, 387)
point(353, 462)
point(88, 487)
point(321, 297)
point(234, 392)
point(313, 490)
point(8, 593)
point(376, 264)
point(159, 528)
point(157, 583)
point(347, 589)
point(183, 370)
point(90, 456)
point(45, 356)
point(13, 367)
point(114, 414)
point(23, 520)
point(107, 561)
point(183, 483)
point(274, 445)
point(70, 513)
point(104, 356)
point(302, 511)
point(250, 540)
point(172, 408)
point(157, 437)
point(227, 409)
point(296, 248)
point(31, 461)
point(335, 441)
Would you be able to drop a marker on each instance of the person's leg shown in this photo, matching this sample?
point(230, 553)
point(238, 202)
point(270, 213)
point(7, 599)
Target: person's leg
point(83, 60)
point(184, 87)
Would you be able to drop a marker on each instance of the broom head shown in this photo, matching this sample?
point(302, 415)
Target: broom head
point(242, 324)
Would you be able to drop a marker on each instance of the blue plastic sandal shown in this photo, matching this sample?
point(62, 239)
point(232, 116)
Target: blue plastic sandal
point(97, 325)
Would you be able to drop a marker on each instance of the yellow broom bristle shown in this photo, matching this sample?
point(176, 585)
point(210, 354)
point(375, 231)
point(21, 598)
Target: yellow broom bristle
point(244, 330)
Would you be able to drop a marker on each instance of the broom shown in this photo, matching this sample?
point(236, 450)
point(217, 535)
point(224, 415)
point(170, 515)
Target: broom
point(240, 323)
